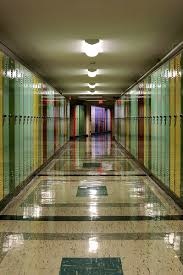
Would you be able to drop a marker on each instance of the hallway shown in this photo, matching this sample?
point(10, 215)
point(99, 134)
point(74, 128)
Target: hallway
point(91, 203)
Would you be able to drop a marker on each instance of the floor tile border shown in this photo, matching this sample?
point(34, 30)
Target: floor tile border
point(92, 218)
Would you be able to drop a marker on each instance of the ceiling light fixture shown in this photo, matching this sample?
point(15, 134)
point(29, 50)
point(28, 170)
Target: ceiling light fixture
point(92, 47)
point(92, 85)
point(92, 73)
point(92, 91)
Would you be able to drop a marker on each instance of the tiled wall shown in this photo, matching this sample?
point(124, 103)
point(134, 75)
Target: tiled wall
point(34, 123)
point(149, 123)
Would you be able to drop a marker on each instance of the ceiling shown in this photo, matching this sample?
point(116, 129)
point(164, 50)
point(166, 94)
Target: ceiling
point(47, 35)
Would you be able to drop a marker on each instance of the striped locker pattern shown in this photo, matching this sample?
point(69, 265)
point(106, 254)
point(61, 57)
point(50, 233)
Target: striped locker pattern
point(32, 115)
point(148, 123)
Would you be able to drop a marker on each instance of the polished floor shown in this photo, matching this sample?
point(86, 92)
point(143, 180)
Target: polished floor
point(92, 210)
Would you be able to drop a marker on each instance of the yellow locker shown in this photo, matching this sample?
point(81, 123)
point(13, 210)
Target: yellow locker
point(1, 128)
point(35, 125)
point(172, 126)
point(177, 144)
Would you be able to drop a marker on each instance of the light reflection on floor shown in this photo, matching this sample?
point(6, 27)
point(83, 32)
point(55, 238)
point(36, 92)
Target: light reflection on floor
point(92, 178)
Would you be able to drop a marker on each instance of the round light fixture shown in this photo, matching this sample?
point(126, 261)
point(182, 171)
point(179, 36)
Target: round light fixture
point(92, 47)
point(92, 85)
point(92, 91)
point(92, 73)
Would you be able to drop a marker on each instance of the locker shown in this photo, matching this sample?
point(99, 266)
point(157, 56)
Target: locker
point(155, 138)
point(1, 128)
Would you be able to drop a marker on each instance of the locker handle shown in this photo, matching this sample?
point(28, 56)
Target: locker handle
point(10, 116)
point(15, 118)
point(161, 119)
point(170, 120)
point(4, 117)
point(24, 119)
point(181, 120)
point(175, 119)
point(165, 119)
point(20, 117)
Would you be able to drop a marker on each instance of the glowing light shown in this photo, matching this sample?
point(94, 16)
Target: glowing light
point(92, 73)
point(91, 85)
point(93, 192)
point(93, 245)
point(92, 91)
point(93, 210)
point(92, 47)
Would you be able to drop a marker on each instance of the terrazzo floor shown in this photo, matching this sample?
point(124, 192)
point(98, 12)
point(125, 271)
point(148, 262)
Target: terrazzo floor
point(92, 210)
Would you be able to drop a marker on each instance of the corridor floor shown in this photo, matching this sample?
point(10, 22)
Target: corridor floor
point(91, 211)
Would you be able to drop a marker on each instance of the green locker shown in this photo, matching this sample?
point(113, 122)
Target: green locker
point(158, 122)
point(21, 123)
point(177, 171)
point(25, 122)
point(16, 123)
point(6, 126)
point(1, 128)
point(163, 122)
point(11, 126)
point(167, 125)
point(172, 126)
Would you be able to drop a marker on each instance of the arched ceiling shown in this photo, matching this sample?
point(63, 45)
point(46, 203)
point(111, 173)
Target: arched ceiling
point(48, 36)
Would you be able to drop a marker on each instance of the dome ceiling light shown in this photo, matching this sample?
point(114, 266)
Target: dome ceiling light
point(92, 85)
point(92, 72)
point(92, 47)
point(92, 91)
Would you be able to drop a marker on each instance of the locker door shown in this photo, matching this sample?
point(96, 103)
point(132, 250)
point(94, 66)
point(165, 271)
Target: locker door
point(35, 123)
point(39, 122)
point(31, 96)
point(25, 123)
point(153, 126)
point(149, 123)
point(145, 124)
point(181, 124)
point(163, 125)
point(21, 123)
point(159, 130)
point(6, 126)
point(177, 144)
point(172, 126)
point(1, 128)
point(12, 126)
point(141, 130)
point(17, 125)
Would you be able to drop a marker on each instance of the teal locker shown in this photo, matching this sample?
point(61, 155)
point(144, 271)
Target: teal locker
point(16, 123)
point(6, 126)
point(159, 130)
point(31, 148)
point(21, 123)
point(163, 122)
point(25, 124)
point(11, 126)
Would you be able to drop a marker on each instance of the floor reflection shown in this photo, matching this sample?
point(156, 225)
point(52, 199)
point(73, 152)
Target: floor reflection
point(92, 209)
